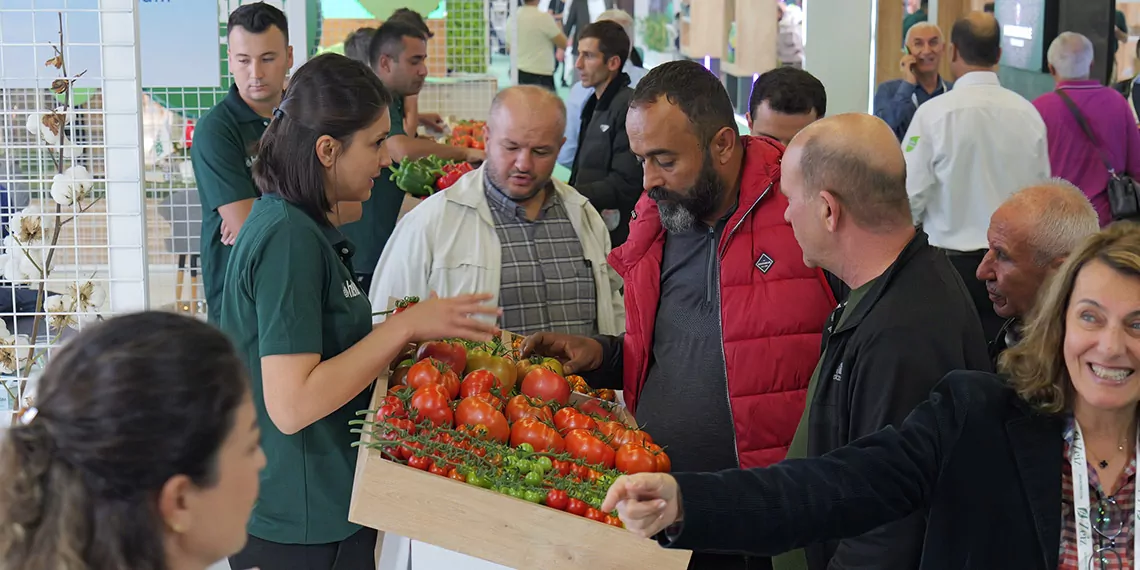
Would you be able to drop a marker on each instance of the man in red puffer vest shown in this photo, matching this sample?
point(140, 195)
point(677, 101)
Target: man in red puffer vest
point(723, 318)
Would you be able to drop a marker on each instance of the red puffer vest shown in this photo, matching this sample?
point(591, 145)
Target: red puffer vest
point(773, 308)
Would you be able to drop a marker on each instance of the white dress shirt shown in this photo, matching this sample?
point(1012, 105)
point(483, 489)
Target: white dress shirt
point(966, 152)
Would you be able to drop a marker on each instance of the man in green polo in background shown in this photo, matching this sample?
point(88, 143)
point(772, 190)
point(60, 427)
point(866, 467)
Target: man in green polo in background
point(398, 54)
point(259, 58)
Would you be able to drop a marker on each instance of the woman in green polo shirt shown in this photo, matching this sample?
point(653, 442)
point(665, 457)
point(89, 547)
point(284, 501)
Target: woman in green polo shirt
point(304, 328)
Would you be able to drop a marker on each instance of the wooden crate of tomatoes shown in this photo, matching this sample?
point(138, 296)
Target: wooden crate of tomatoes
point(475, 451)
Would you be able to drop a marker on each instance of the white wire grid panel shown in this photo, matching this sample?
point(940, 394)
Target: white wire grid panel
point(461, 81)
point(74, 243)
point(174, 213)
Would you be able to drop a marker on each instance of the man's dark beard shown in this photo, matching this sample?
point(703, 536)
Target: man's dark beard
point(681, 212)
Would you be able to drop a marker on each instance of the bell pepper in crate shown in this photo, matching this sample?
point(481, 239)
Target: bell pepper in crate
point(417, 177)
point(451, 174)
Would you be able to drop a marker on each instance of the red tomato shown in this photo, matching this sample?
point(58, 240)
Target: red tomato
point(452, 473)
point(519, 407)
point(663, 462)
point(451, 382)
point(595, 515)
point(538, 434)
point(557, 499)
point(473, 411)
point(408, 450)
point(561, 467)
point(583, 445)
point(596, 408)
point(634, 436)
point(420, 462)
point(610, 430)
point(577, 507)
point(478, 382)
point(546, 385)
point(567, 419)
point(453, 354)
point(490, 399)
point(432, 402)
point(437, 469)
point(425, 372)
point(614, 521)
point(632, 458)
point(389, 411)
point(404, 427)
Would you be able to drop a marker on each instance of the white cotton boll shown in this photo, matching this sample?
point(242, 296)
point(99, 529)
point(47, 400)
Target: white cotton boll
point(72, 187)
point(28, 227)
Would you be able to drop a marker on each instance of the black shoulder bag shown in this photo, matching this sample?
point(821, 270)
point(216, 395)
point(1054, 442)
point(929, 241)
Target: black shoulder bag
point(1123, 192)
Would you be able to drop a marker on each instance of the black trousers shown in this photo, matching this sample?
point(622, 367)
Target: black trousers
point(710, 561)
point(966, 263)
point(546, 81)
point(357, 552)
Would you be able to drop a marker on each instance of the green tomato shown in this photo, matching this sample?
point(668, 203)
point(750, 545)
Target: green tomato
point(515, 492)
point(526, 448)
point(545, 463)
point(524, 466)
point(476, 479)
point(534, 478)
point(534, 496)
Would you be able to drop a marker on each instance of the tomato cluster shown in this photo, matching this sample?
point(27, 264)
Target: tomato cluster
point(509, 425)
point(467, 134)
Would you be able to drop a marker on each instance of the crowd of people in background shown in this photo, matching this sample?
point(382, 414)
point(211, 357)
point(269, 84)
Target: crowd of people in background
point(930, 311)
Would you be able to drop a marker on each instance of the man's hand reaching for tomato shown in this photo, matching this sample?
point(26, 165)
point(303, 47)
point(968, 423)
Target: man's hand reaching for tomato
point(577, 353)
point(646, 502)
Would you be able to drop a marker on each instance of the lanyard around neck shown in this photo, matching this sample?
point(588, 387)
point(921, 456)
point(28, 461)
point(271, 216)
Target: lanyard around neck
point(941, 85)
point(1082, 507)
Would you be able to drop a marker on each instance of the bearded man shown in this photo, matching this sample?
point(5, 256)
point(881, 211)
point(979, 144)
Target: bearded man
point(723, 317)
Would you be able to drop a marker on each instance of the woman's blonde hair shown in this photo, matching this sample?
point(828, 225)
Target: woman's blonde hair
point(1036, 367)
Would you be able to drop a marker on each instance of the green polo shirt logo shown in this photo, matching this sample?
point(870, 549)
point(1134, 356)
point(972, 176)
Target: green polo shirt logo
point(350, 289)
point(913, 142)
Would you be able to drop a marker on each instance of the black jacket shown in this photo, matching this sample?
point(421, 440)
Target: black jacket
point(915, 324)
point(605, 170)
point(985, 465)
point(1126, 88)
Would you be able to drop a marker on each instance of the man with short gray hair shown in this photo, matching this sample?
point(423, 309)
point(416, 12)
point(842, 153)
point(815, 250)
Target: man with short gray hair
point(1080, 104)
point(1030, 236)
point(897, 100)
point(907, 321)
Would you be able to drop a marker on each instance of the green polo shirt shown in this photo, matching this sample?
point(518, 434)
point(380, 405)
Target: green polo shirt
point(795, 559)
point(222, 154)
point(378, 218)
point(290, 290)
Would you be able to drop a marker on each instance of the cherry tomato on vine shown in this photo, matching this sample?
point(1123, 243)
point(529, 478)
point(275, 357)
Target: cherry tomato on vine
point(420, 462)
point(562, 467)
point(437, 469)
point(577, 507)
point(545, 463)
point(534, 479)
point(454, 474)
point(557, 499)
point(534, 496)
point(614, 521)
point(595, 515)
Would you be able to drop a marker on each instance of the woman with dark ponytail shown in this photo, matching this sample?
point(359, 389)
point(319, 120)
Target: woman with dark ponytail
point(141, 452)
point(304, 328)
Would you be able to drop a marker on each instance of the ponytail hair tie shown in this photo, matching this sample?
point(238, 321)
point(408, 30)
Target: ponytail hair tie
point(278, 112)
